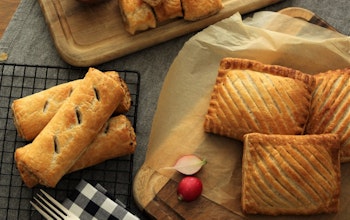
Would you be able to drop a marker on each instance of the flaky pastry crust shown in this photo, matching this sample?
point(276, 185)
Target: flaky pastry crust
point(290, 174)
point(249, 96)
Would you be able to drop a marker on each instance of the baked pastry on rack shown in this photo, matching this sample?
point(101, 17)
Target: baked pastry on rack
point(43, 106)
point(199, 9)
point(330, 108)
point(71, 130)
point(117, 138)
point(250, 96)
point(290, 174)
point(137, 15)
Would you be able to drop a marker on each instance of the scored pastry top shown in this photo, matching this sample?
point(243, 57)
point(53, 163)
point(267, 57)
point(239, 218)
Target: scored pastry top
point(249, 96)
point(290, 174)
point(330, 111)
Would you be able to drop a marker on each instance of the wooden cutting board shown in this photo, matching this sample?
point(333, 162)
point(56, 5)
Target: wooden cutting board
point(87, 35)
point(156, 194)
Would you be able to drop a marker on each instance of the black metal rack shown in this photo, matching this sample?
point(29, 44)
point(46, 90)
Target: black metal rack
point(17, 81)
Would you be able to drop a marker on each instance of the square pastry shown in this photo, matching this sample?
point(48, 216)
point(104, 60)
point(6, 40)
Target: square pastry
point(330, 108)
point(290, 174)
point(249, 96)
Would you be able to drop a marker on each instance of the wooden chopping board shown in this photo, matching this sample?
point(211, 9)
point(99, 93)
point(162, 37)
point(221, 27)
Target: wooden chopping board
point(156, 194)
point(87, 35)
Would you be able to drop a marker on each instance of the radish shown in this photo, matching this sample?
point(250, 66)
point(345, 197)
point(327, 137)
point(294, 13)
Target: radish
point(189, 188)
point(188, 164)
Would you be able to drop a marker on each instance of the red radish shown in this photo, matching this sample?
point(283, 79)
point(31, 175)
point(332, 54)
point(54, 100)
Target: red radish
point(189, 188)
point(188, 164)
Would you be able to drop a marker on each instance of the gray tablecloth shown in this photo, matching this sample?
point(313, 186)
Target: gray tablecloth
point(28, 41)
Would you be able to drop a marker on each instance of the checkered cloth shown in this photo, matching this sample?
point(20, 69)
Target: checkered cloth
point(89, 202)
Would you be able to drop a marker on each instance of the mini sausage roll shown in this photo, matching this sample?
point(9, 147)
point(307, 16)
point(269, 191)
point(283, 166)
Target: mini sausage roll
point(137, 15)
point(199, 9)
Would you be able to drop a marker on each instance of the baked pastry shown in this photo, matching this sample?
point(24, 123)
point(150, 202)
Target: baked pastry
point(137, 15)
point(75, 125)
point(117, 138)
point(43, 106)
point(290, 174)
point(125, 103)
point(330, 108)
point(249, 96)
point(153, 2)
point(167, 10)
point(199, 9)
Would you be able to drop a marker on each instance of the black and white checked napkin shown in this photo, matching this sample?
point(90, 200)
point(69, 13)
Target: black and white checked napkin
point(93, 202)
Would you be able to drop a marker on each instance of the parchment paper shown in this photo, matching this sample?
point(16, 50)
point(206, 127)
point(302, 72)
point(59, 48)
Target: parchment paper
point(177, 127)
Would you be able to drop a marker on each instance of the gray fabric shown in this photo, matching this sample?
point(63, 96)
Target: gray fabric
point(27, 41)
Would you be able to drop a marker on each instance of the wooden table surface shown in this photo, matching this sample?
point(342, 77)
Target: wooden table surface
point(7, 9)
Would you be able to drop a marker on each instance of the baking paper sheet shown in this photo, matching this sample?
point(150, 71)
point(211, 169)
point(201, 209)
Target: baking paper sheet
point(177, 128)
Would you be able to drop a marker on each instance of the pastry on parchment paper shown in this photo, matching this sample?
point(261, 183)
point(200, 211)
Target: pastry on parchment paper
point(199, 9)
point(137, 15)
point(290, 174)
point(167, 10)
point(330, 108)
point(117, 138)
point(42, 106)
point(71, 130)
point(250, 96)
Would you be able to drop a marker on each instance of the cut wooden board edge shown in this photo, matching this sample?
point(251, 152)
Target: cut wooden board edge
point(147, 183)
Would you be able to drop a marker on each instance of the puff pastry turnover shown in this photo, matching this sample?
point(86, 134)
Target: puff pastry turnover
point(75, 125)
point(330, 108)
point(290, 174)
point(249, 96)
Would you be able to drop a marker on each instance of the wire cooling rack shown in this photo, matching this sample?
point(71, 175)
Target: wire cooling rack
point(17, 81)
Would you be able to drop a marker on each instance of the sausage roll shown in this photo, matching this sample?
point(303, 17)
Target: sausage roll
point(137, 15)
point(43, 106)
point(71, 130)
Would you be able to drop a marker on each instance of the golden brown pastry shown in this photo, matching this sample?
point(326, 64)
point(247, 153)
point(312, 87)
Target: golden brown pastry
point(167, 10)
point(249, 96)
point(137, 15)
point(117, 138)
point(199, 9)
point(75, 125)
point(125, 103)
point(43, 106)
point(290, 174)
point(153, 2)
point(330, 108)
